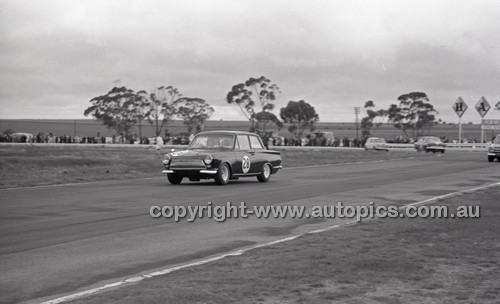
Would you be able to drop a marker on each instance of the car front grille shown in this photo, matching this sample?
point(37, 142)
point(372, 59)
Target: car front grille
point(187, 164)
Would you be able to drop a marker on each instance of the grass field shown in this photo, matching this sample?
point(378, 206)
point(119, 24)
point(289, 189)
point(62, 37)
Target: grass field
point(26, 165)
point(380, 261)
point(31, 165)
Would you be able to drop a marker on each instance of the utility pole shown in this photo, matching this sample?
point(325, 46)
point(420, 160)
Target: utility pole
point(140, 127)
point(357, 110)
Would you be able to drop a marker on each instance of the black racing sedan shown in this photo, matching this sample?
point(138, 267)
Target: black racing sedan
point(222, 155)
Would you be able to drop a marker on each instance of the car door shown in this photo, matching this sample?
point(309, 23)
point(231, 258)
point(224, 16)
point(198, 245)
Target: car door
point(260, 155)
point(244, 156)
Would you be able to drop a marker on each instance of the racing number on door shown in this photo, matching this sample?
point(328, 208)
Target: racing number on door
point(245, 164)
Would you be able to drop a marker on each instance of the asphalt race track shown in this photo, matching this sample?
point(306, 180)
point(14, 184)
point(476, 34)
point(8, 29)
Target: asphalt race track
point(56, 240)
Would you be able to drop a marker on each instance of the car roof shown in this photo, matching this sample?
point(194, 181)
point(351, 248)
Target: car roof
point(227, 132)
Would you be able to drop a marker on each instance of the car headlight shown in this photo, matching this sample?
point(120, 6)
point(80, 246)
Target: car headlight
point(208, 159)
point(166, 159)
point(491, 149)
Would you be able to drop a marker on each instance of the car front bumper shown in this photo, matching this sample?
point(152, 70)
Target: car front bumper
point(381, 147)
point(435, 148)
point(203, 171)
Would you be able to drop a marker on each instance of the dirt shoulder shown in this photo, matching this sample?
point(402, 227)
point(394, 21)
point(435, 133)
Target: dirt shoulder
point(378, 261)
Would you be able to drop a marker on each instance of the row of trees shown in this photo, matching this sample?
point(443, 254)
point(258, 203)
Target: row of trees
point(413, 115)
point(121, 108)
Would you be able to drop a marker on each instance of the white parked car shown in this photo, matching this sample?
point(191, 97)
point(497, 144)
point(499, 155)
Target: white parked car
point(430, 144)
point(494, 149)
point(376, 143)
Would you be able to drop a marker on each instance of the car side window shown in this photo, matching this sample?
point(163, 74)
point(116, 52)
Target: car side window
point(255, 143)
point(243, 142)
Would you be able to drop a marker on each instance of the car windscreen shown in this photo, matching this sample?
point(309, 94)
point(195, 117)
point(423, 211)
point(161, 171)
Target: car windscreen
point(212, 141)
point(377, 140)
point(497, 140)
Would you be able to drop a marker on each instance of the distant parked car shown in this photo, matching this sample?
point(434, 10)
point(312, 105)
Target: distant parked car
point(494, 149)
point(22, 137)
point(222, 155)
point(430, 144)
point(376, 143)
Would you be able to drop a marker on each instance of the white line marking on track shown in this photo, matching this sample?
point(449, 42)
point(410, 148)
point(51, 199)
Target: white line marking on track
point(139, 278)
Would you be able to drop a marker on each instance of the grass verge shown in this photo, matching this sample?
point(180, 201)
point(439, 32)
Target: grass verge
point(25, 165)
point(379, 261)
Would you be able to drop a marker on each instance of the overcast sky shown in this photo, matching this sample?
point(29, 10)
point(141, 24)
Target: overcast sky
point(57, 55)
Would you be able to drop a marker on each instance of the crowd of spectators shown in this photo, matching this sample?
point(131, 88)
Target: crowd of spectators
point(50, 138)
point(314, 139)
point(20, 137)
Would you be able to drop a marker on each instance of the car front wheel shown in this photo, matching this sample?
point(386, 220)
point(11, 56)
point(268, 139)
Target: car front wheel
point(264, 176)
point(491, 158)
point(223, 174)
point(174, 179)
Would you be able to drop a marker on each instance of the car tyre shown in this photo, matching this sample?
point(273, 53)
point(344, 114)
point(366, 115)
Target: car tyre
point(174, 179)
point(265, 175)
point(223, 174)
point(491, 158)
